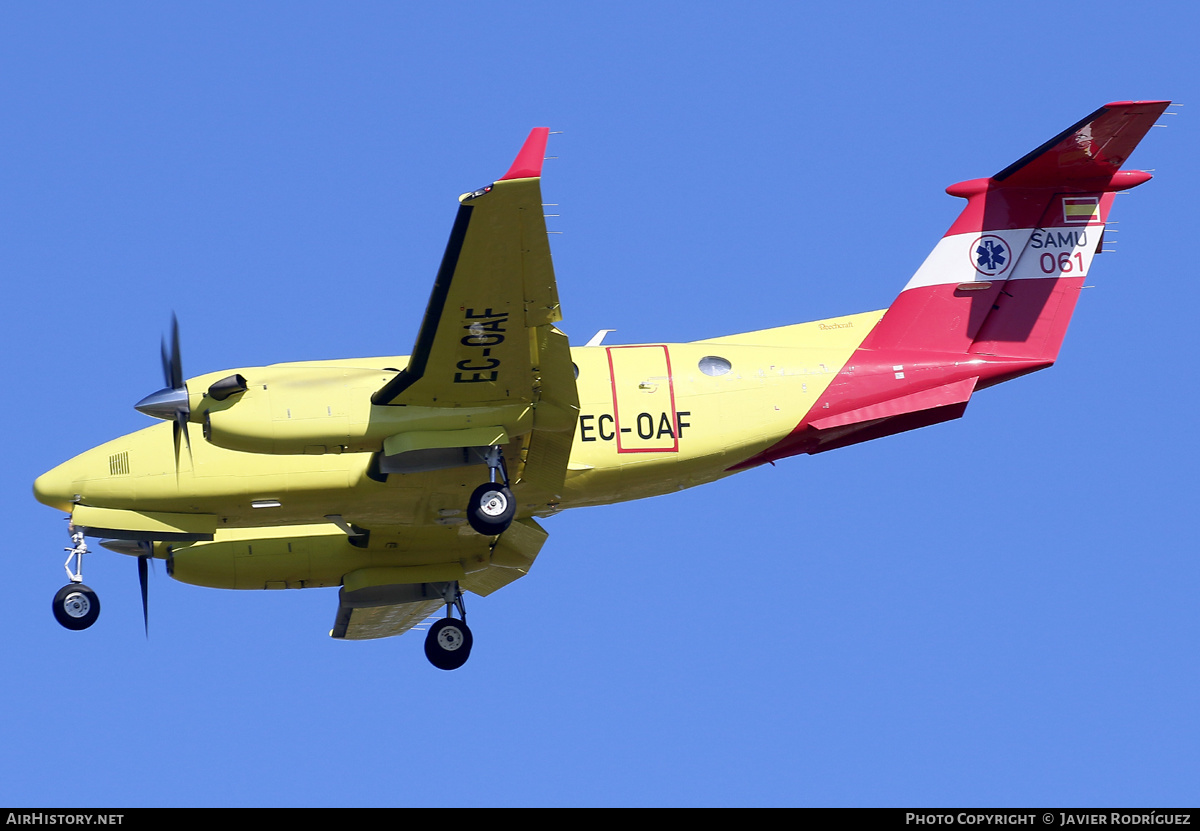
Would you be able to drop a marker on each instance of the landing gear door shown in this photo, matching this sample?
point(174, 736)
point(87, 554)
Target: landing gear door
point(643, 399)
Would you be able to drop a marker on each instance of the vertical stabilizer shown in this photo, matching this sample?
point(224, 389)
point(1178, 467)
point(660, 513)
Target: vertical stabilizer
point(992, 300)
point(1004, 279)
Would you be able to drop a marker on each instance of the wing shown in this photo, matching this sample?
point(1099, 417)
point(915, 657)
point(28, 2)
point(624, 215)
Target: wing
point(488, 339)
point(494, 289)
point(387, 586)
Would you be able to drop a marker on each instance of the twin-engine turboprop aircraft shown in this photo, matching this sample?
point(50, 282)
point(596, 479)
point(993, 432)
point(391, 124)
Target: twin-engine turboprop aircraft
point(406, 481)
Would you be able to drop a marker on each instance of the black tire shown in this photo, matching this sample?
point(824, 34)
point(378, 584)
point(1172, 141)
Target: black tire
point(448, 643)
point(76, 606)
point(491, 509)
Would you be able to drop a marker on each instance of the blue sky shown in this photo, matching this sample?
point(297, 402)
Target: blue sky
point(996, 611)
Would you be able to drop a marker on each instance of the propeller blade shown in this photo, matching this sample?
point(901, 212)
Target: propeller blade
point(181, 423)
point(166, 363)
point(176, 381)
point(180, 427)
point(171, 402)
point(143, 580)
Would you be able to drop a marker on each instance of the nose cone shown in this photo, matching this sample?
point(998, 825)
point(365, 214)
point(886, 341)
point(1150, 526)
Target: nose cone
point(56, 487)
point(164, 404)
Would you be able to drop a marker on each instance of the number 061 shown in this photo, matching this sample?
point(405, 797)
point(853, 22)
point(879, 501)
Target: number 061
point(1064, 264)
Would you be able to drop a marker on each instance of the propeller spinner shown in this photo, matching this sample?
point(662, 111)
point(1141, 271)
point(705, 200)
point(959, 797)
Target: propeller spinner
point(171, 402)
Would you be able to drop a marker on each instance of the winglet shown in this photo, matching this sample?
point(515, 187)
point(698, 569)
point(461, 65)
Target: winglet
point(528, 164)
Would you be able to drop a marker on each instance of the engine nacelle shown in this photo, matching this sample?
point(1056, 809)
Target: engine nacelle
point(302, 556)
point(291, 410)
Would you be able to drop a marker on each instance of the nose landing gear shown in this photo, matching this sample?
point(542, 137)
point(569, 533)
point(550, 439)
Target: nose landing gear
point(76, 606)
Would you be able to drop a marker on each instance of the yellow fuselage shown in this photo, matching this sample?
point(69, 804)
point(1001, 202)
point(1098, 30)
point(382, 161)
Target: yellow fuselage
point(651, 421)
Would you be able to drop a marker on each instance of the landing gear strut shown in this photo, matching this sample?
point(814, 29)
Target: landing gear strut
point(75, 606)
point(492, 506)
point(448, 643)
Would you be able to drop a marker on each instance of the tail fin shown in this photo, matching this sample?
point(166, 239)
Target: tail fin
point(1004, 279)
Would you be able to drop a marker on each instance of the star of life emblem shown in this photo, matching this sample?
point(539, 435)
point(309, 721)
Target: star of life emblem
point(990, 255)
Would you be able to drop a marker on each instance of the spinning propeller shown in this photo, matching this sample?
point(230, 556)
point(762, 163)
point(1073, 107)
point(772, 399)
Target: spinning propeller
point(144, 551)
point(171, 402)
point(144, 582)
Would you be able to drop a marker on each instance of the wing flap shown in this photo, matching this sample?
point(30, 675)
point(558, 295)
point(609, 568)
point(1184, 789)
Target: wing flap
point(384, 602)
point(361, 622)
point(555, 415)
point(512, 557)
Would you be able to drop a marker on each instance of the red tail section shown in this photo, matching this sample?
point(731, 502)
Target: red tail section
point(993, 299)
point(1005, 277)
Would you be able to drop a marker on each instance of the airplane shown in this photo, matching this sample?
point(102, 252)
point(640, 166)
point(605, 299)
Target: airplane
point(408, 481)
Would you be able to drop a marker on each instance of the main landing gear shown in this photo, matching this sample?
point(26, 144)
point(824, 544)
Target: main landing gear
point(76, 606)
point(448, 643)
point(492, 506)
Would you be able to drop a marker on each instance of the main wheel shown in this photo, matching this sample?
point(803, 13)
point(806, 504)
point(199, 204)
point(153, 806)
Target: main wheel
point(76, 606)
point(491, 509)
point(448, 644)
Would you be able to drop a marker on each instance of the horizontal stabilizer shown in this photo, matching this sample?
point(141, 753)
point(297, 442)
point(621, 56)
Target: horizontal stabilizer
point(956, 393)
point(1094, 148)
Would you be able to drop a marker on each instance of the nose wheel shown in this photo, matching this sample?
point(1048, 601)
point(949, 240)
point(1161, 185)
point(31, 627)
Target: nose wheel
point(448, 643)
point(76, 606)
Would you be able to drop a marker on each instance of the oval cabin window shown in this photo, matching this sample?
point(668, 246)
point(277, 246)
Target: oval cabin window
point(714, 366)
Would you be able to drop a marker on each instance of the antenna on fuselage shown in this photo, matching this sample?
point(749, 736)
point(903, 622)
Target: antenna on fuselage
point(598, 338)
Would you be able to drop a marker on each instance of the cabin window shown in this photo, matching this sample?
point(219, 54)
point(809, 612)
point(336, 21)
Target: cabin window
point(575, 367)
point(714, 366)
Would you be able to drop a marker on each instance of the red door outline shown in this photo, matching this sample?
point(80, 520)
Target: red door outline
point(612, 376)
